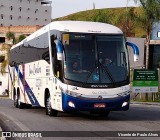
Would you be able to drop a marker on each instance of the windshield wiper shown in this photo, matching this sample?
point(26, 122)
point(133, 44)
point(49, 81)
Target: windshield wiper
point(88, 76)
point(107, 72)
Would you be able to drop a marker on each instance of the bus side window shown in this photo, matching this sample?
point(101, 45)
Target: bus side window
point(45, 56)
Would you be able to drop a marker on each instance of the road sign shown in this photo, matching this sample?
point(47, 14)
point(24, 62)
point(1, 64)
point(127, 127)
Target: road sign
point(145, 81)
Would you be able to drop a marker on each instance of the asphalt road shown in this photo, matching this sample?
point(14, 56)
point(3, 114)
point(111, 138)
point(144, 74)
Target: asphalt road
point(139, 118)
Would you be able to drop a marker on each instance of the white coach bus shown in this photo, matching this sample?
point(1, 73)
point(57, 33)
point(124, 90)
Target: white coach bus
point(72, 66)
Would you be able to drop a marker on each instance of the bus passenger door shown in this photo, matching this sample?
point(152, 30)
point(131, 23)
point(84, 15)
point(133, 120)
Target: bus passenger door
point(57, 50)
point(57, 64)
point(57, 95)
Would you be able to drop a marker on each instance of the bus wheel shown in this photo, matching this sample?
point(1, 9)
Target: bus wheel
point(28, 106)
point(20, 104)
point(16, 101)
point(104, 113)
point(49, 110)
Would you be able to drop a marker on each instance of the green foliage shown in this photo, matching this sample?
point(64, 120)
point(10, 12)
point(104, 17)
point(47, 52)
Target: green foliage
point(3, 67)
point(151, 8)
point(100, 16)
point(149, 13)
point(2, 58)
point(5, 48)
point(120, 17)
point(11, 35)
point(20, 38)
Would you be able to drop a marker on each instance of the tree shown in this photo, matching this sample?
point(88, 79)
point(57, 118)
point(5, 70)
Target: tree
point(20, 38)
point(11, 35)
point(125, 21)
point(150, 13)
point(4, 58)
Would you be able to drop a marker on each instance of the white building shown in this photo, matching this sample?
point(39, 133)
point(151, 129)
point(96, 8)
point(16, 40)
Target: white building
point(25, 12)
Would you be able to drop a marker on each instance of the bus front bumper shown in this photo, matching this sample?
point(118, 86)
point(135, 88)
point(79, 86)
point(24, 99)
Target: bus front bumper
point(70, 103)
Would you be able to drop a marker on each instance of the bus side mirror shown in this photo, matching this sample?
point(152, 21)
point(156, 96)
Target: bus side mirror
point(12, 64)
point(135, 50)
point(2, 58)
point(59, 48)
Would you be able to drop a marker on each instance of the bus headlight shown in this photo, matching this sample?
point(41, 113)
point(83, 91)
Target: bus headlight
point(71, 104)
point(124, 104)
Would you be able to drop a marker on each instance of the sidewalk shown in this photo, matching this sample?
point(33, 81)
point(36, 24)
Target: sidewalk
point(4, 96)
point(146, 103)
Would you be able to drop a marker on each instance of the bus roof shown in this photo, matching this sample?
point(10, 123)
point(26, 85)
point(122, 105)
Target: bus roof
point(74, 26)
point(84, 27)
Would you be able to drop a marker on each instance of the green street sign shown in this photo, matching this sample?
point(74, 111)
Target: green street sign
point(145, 81)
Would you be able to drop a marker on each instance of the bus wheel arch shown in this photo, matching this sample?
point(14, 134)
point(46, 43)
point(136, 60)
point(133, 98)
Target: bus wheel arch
point(49, 110)
point(20, 104)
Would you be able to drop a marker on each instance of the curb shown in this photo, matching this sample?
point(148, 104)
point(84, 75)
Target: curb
point(4, 97)
point(146, 103)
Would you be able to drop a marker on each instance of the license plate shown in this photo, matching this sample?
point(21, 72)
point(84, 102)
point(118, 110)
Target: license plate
point(99, 105)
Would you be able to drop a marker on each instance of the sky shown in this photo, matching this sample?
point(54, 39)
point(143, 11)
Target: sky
point(62, 8)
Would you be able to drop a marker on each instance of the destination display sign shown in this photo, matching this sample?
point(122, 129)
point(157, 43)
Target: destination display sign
point(145, 81)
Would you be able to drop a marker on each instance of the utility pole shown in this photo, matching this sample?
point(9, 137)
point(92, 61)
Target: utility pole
point(93, 5)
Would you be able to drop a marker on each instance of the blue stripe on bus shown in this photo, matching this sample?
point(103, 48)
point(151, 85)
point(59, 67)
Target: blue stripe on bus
point(27, 88)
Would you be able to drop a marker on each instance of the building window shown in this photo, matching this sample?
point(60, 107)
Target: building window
point(19, 17)
point(2, 40)
point(46, 10)
point(36, 18)
point(2, 16)
point(28, 9)
point(10, 24)
point(36, 10)
point(28, 18)
point(45, 19)
point(20, 0)
point(20, 9)
point(29, 1)
point(1, 25)
point(11, 8)
point(11, 17)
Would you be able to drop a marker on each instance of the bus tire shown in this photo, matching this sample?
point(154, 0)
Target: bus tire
point(20, 104)
point(49, 110)
point(15, 100)
point(28, 106)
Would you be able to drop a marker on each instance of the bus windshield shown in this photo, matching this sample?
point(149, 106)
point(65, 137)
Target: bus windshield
point(95, 59)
